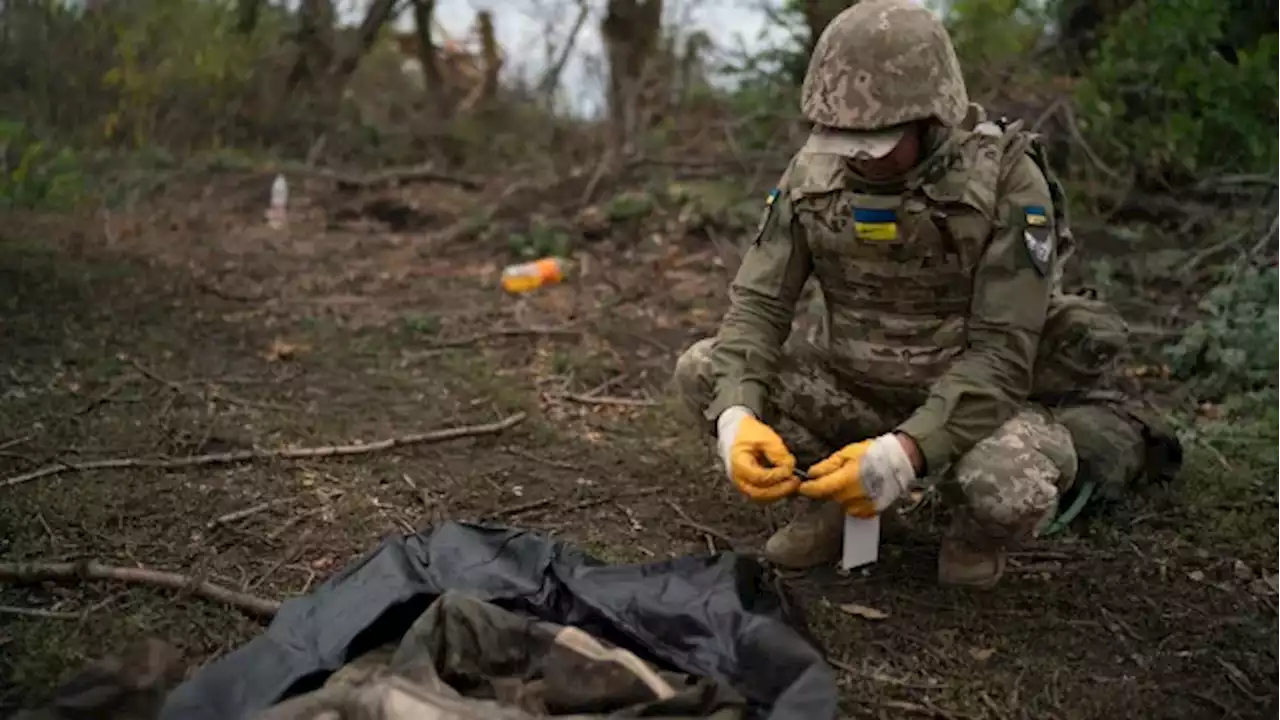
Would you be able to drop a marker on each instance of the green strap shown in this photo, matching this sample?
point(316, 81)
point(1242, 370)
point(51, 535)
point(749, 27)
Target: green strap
point(1066, 516)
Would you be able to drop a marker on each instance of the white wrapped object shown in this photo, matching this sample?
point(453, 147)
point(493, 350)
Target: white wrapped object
point(861, 542)
point(277, 212)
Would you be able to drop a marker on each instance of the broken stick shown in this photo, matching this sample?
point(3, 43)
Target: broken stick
point(504, 333)
point(325, 451)
point(33, 572)
point(605, 400)
point(242, 514)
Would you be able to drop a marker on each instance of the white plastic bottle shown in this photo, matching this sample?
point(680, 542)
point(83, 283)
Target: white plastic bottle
point(277, 212)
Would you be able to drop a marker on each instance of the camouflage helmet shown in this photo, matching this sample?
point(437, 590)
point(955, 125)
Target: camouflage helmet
point(882, 63)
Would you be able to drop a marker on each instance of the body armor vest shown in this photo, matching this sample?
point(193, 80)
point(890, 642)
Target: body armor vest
point(896, 268)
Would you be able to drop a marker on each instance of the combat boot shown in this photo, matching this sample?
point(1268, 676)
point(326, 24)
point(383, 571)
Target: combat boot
point(963, 564)
point(815, 537)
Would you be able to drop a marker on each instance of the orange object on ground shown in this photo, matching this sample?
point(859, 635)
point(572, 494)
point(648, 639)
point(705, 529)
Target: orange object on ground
point(533, 275)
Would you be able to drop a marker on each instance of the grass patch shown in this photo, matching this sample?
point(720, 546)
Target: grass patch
point(1228, 485)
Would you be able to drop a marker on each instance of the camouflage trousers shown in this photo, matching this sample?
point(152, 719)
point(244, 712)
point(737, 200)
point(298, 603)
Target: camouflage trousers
point(1003, 491)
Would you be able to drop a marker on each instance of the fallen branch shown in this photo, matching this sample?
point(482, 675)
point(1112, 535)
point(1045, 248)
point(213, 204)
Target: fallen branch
point(606, 385)
point(325, 451)
point(521, 508)
point(242, 514)
point(503, 333)
point(34, 572)
point(38, 613)
point(604, 400)
point(706, 529)
point(1073, 127)
point(16, 441)
point(546, 503)
point(416, 173)
point(469, 226)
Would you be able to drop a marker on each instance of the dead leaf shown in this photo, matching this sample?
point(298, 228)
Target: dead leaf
point(1265, 585)
point(981, 654)
point(864, 612)
point(1196, 576)
point(281, 350)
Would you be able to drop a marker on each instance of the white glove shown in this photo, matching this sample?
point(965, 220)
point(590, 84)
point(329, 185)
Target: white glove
point(755, 458)
point(727, 431)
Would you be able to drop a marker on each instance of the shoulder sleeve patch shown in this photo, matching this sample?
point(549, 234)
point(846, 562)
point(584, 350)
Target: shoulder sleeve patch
point(765, 215)
point(1038, 237)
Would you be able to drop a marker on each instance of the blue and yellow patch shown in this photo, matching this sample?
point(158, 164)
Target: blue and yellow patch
point(1036, 216)
point(773, 196)
point(876, 225)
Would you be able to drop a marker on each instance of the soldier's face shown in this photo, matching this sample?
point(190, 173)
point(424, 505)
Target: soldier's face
point(900, 159)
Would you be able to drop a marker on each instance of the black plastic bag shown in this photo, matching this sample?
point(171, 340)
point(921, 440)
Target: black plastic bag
point(714, 617)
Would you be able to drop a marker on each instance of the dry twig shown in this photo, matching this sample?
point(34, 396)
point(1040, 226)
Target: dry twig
point(521, 508)
point(33, 572)
point(389, 176)
point(38, 613)
point(707, 529)
point(604, 400)
point(495, 334)
point(16, 441)
point(246, 512)
point(310, 453)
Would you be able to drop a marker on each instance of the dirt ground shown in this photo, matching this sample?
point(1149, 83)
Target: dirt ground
point(202, 331)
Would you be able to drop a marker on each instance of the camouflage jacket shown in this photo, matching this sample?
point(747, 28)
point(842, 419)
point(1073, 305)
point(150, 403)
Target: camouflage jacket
point(938, 282)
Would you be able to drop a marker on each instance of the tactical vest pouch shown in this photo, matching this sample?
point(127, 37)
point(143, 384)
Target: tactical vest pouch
point(1082, 344)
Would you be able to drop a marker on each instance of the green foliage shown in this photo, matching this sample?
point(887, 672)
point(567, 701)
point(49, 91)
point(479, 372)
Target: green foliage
point(1161, 96)
point(35, 175)
point(993, 35)
point(715, 203)
point(1234, 347)
point(173, 54)
point(540, 241)
point(1228, 484)
point(628, 206)
point(422, 324)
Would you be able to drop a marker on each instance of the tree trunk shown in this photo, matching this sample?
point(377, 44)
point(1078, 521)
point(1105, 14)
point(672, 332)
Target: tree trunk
point(247, 16)
point(314, 38)
point(379, 12)
point(492, 59)
point(438, 95)
point(630, 30)
point(551, 79)
point(1083, 24)
point(818, 14)
point(324, 64)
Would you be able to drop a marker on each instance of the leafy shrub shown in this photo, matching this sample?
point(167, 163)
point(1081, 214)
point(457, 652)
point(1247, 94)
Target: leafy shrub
point(1161, 95)
point(1234, 347)
point(993, 38)
point(32, 174)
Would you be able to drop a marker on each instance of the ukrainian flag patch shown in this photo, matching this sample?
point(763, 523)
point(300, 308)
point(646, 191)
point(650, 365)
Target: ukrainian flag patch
point(876, 225)
point(773, 196)
point(1036, 216)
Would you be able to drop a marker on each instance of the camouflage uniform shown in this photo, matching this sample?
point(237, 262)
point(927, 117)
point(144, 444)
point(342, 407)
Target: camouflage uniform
point(940, 313)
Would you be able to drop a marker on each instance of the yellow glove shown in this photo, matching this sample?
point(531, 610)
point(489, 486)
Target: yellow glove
point(864, 478)
point(755, 457)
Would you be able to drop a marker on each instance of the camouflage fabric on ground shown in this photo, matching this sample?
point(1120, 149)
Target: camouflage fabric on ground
point(465, 659)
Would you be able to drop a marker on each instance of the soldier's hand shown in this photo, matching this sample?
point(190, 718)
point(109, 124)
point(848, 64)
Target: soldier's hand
point(864, 478)
point(755, 457)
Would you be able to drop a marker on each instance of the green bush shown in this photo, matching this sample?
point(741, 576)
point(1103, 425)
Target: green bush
point(33, 174)
point(1161, 96)
point(1234, 347)
point(993, 38)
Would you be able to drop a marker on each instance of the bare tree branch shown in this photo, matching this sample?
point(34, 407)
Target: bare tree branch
point(551, 78)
